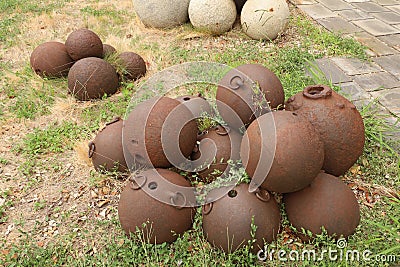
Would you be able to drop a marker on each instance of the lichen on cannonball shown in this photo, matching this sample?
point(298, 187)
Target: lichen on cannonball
point(84, 43)
point(51, 59)
point(215, 16)
point(92, 78)
point(264, 19)
point(162, 13)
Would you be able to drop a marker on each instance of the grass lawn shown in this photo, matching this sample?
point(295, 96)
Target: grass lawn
point(55, 210)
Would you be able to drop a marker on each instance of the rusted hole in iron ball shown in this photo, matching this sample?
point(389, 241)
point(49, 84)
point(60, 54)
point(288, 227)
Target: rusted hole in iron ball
point(153, 186)
point(232, 193)
point(186, 98)
point(316, 90)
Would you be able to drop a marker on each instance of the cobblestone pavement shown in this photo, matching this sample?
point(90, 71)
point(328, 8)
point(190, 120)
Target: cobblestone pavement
point(375, 24)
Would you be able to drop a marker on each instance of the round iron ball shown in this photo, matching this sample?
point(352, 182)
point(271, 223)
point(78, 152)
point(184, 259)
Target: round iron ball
point(51, 59)
point(84, 43)
point(91, 78)
point(227, 222)
point(133, 65)
point(294, 150)
point(158, 222)
point(108, 50)
point(248, 99)
point(106, 149)
point(327, 202)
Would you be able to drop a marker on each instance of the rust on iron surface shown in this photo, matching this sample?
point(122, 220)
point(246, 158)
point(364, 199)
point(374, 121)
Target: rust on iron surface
point(227, 221)
point(248, 99)
point(298, 155)
point(106, 149)
point(160, 222)
point(327, 202)
point(337, 121)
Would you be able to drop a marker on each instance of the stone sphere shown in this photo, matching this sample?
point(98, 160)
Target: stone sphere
point(91, 78)
point(84, 43)
point(51, 59)
point(216, 16)
point(264, 19)
point(162, 13)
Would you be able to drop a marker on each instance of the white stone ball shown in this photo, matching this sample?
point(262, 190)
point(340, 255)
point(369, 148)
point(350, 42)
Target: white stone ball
point(264, 19)
point(162, 13)
point(216, 16)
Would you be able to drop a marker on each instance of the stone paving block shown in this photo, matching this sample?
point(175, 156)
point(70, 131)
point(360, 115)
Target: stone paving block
point(317, 11)
point(386, 2)
point(388, 17)
point(393, 40)
point(353, 91)
point(390, 64)
point(377, 81)
point(331, 71)
point(376, 27)
point(354, 14)
point(336, 4)
point(370, 7)
point(337, 24)
point(373, 43)
point(353, 66)
point(395, 8)
point(390, 99)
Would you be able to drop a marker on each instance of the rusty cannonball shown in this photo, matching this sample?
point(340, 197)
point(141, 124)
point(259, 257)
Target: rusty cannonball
point(327, 202)
point(91, 78)
point(84, 43)
point(159, 222)
point(106, 149)
point(337, 121)
point(227, 144)
point(227, 222)
point(51, 59)
point(294, 151)
point(133, 65)
point(248, 99)
point(108, 50)
point(159, 128)
point(197, 105)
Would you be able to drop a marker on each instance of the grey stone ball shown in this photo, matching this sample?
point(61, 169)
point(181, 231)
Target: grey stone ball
point(264, 19)
point(162, 13)
point(216, 16)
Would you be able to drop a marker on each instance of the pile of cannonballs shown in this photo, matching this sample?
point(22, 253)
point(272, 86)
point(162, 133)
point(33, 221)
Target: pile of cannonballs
point(84, 60)
point(295, 149)
point(260, 19)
